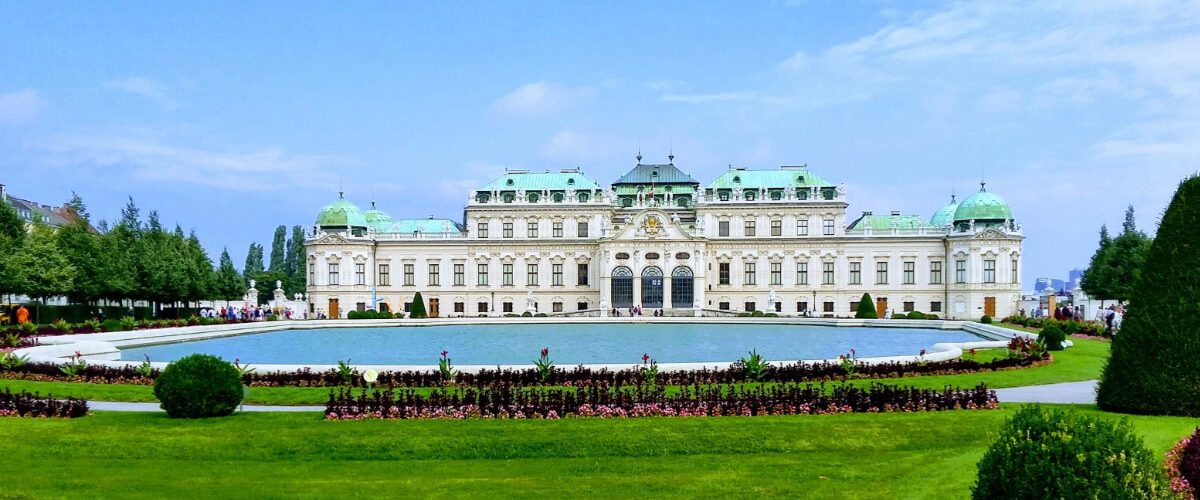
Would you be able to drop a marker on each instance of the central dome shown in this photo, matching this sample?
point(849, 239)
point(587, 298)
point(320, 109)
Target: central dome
point(945, 215)
point(983, 207)
point(340, 214)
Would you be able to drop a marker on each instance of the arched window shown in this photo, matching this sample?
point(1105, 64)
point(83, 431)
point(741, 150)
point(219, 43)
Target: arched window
point(622, 287)
point(483, 197)
point(581, 196)
point(749, 195)
point(682, 287)
point(683, 201)
point(652, 287)
point(737, 180)
point(557, 197)
point(509, 182)
point(776, 195)
point(571, 182)
point(532, 197)
point(508, 197)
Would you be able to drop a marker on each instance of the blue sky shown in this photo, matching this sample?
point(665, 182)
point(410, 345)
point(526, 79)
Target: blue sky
point(232, 118)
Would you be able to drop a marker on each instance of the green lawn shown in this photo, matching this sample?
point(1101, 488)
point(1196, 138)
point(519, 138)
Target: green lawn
point(1082, 362)
point(922, 455)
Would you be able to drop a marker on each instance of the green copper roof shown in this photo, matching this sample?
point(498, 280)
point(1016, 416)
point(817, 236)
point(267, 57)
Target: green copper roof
point(341, 213)
point(530, 181)
point(886, 223)
point(945, 215)
point(655, 174)
point(735, 178)
point(378, 220)
point(431, 225)
point(982, 206)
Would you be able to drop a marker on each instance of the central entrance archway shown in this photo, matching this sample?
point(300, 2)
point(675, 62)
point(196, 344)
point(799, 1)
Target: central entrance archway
point(652, 287)
point(682, 287)
point(622, 287)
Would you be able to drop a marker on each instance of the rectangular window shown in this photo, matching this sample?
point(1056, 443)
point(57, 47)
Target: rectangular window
point(385, 275)
point(802, 227)
point(749, 228)
point(779, 307)
point(581, 272)
point(435, 275)
point(556, 229)
point(582, 231)
point(481, 275)
point(460, 271)
point(777, 227)
point(556, 307)
point(506, 307)
point(581, 306)
point(801, 307)
point(506, 274)
point(409, 275)
point(989, 271)
point(960, 271)
point(481, 307)
point(749, 307)
point(723, 273)
point(460, 307)
point(531, 229)
point(776, 273)
point(531, 274)
point(481, 229)
point(802, 273)
point(1016, 277)
point(724, 306)
point(827, 227)
point(723, 196)
point(881, 273)
point(312, 274)
point(333, 274)
point(935, 306)
point(854, 306)
point(508, 230)
point(910, 273)
point(360, 274)
point(856, 273)
point(827, 307)
point(935, 272)
point(556, 274)
point(750, 276)
point(827, 273)
point(909, 306)
point(723, 228)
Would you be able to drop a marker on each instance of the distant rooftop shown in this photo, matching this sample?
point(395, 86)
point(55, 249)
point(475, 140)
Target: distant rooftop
point(655, 174)
point(784, 177)
point(537, 181)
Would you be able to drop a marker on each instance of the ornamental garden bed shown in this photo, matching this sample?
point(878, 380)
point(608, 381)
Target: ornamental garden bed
point(24, 404)
point(648, 401)
point(1183, 467)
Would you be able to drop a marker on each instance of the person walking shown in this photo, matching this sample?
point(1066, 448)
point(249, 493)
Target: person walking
point(22, 315)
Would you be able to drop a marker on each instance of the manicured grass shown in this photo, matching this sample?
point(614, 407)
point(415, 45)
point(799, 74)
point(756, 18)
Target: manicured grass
point(930, 455)
point(1084, 361)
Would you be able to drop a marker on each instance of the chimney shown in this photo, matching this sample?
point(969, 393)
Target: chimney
point(867, 212)
point(895, 212)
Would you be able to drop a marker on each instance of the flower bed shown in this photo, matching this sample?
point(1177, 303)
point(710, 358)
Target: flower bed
point(24, 404)
point(1070, 327)
point(1183, 467)
point(57, 328)
point(575, 377)
point(647, 401)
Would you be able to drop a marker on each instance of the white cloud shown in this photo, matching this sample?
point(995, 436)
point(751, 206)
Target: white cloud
point(151, 159)
point(20, 107)
point(144, 87)
point(569, 146)
point(541, 98)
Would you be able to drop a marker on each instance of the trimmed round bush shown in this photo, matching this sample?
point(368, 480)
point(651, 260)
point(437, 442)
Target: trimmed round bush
point(987, 320)
point(1052, 454)
point(866, 308)
point(199, 386)
point(1052, 337)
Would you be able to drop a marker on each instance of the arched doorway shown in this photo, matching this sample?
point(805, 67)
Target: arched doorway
point(622, 287)
point(681, 287)
point(652, 287)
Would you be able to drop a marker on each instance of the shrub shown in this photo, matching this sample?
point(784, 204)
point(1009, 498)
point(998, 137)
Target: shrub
point(900, 316)
point(526, 314)
point(916, 315)
point(1183, 467)
point(417, 310)
point(24, 404)
point(1052, 337)
point(931, 316)
point(540, 315)
point(987, 320)
point(771, 315)
point(1052, 454)
point(866, 308)
point(757, 314)
point(199, 386)
point(1153, 366)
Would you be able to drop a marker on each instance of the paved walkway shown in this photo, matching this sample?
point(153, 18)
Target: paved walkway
point(1069, 392)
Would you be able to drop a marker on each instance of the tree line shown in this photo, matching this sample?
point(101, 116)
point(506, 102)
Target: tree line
point(134, 259)
point(1117, 262)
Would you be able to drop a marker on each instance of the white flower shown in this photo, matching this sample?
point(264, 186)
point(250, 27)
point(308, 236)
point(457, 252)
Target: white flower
point(370, 376)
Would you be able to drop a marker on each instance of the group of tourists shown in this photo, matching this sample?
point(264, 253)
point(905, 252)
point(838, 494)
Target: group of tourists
point(1110, 316)
point(636, 311)
point(251, 313)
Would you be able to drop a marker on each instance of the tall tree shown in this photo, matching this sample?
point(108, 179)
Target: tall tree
point(1126, 258)
point(1096, 279)
point(42, 271)
point(202, 284)
point(278, 250)
point(12, 237)
point(229, 284)
point(254, 261)
point(294, 261)
point(81, 248)
point(76, 207)
point(131, 217)
point(1155, 363)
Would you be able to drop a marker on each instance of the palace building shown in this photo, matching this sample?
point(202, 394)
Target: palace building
point(775, 240)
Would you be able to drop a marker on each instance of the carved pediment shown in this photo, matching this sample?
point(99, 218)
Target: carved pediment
point(331, 239)
point(652, 225)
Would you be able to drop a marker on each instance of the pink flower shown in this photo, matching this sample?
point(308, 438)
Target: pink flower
point(545, 351)
point(444, 353)
point(922, 352)
point(78, 355)
point(645, 358)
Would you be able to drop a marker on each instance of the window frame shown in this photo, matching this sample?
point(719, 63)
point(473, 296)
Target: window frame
point(410, 274)
point(385, 275)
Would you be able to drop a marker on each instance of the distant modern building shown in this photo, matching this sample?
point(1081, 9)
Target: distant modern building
point(1043, 283)
point(751, 240)
point(31, 210)
point(1073, 278)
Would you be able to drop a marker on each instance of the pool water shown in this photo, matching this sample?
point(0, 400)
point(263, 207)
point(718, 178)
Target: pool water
point(569, 344)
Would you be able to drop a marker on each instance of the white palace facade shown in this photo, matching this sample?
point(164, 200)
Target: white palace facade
point(751, 240)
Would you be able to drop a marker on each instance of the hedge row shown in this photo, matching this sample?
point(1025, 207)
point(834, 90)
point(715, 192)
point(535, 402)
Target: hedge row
point(24, 404)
